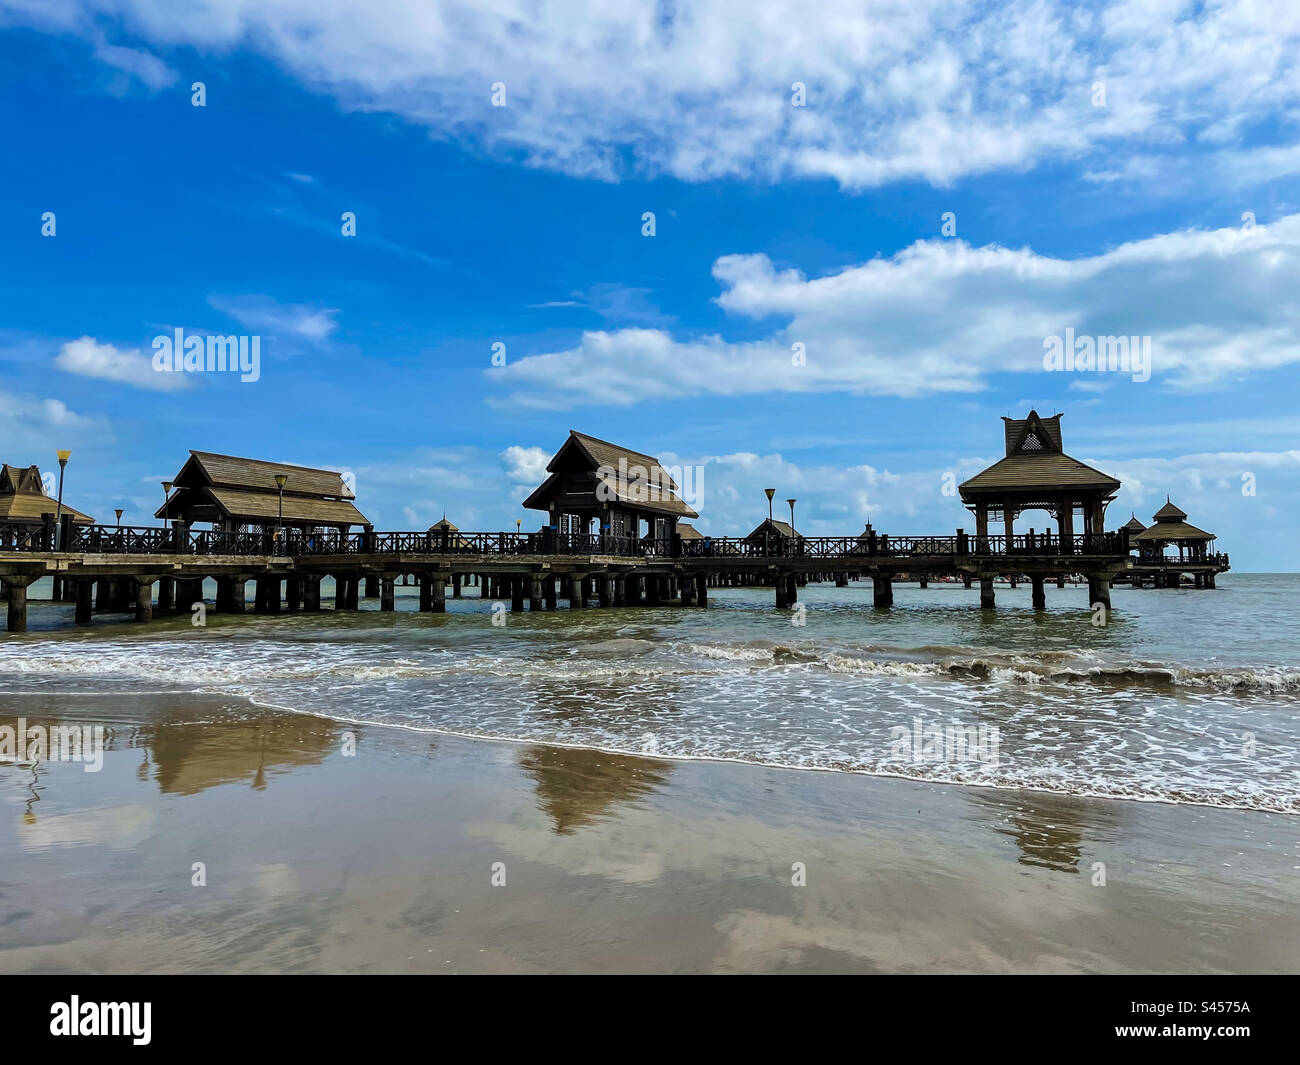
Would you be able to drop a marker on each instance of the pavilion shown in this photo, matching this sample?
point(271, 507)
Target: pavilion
point(1037, 474)
point(240, 495)
point(23, 498)
point(595, 486)
point(1194, 554)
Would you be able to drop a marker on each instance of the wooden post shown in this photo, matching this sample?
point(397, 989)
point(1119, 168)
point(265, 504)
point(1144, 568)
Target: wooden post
point(535, 601)
point(1039, 598)
point(425, 581)
point(841, 580)
point(701, 589)
point(986, 592)
point(882, 590)
point(101, 593)
point(606, 589)
point(686, 592)
point(18, 602)
point(1098, 592)
point(311, 594)
point(82, 614)
point(144, 599)
point(516, 583)
point(386, 594)
point(371, 590)
point(578, 591)
point(966, 580)
point(438, 591)
point(455, 585)
point(620, 590)
point(792, 590)
point(354, 587)
point(549, 584)
point(273, 595)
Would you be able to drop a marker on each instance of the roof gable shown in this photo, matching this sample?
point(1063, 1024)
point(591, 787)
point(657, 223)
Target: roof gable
point(229, 471)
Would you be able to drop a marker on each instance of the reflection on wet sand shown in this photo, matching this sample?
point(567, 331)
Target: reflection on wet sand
point(190, 757)
point(1049, 830)
point(577, 787)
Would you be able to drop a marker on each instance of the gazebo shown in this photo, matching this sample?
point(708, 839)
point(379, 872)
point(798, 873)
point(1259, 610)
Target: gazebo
point(237, 494)
point(1037, 474)
point(23, 498)
point(594, 482)
point(1171, 527)
point(1133, 526)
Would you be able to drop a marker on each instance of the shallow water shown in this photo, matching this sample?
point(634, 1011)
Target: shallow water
point(1183, 696)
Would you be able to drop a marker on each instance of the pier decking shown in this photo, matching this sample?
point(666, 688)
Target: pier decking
point(99, 561)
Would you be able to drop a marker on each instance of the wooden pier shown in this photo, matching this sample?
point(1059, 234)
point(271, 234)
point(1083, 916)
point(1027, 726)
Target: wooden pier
point(147, 569)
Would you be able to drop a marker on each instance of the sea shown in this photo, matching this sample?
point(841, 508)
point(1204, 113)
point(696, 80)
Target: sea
point(1174, 696)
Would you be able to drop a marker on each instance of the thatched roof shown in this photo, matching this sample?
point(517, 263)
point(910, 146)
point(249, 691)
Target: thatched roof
point(23, 498)
point(1133, 525)
point(241, 489)
point(587, 472)
point(1035, 460)
point(1171, 525)
point(773, 527)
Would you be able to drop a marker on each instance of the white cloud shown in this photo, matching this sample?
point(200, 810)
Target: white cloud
point(525, 465)
point(941, 316)
point(896, 90)
point(129, 366)
point(263, 313)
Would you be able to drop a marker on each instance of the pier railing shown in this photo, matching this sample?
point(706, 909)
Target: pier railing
point(180, 540)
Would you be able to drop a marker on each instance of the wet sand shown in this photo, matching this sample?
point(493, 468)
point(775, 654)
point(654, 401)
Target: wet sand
point(383, 862)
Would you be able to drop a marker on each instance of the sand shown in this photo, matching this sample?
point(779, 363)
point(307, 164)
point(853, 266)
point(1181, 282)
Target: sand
point(384, 861)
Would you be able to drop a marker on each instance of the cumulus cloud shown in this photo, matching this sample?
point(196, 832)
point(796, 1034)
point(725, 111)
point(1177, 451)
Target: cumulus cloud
point(895, 90)
point(129, 366)
point(525, 465)
point(942, 316)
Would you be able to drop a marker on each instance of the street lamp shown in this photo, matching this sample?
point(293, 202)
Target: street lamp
point(58, 507)
point(281, 479)
point(118, 512)
point(792, 502)
point(769, 492)
point(167, 498)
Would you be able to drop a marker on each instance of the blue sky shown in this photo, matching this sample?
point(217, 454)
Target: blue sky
point(775, 225)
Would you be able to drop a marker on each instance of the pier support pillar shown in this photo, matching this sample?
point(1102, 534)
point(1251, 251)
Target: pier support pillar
point(166, 594)
point(1060, 581)
point(293, 594)
point(986, 592)
point(782, 590)
point(515, 582)
point(701, 589)
point(311, 594)
point(606, 589)
point(354, 588)
point(425, 581)
point(620, 590)
point(17, 587)
point(438, 592)
point(82, 614)
point(372, 588)
point(549, 587)
point(652, 597)
point(119, 597)
point(101, 594)
point(792, 590)
point(687, 591)
point(1039, 598)
point(455, 585)
point(841, 580)
point(925, 582)
point(882, 591)
point(632, 589)
point(965, 582)
point(1099, 592)
point(577, 591)
point(535, 601)
point(273, 595)
point(143, 599)
point(386, 594)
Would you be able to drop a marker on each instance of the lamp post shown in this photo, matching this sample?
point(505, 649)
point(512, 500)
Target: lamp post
point(792, 502)
point(118, 512)
point(167, 498)
point(769, 492)
point(58, 506)
point(281, 479)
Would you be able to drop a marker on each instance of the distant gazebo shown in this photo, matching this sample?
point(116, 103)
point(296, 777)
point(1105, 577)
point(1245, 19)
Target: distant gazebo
point(592, 482)
point(1037, 474)
point(1171, 528)
point(239, 495)
point(1133, 526)
point(774, 531)
point(454, 539)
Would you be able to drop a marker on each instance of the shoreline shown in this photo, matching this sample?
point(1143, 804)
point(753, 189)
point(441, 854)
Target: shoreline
point(383, 861)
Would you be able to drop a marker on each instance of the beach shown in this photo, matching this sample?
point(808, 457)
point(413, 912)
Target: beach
point(383, 861)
